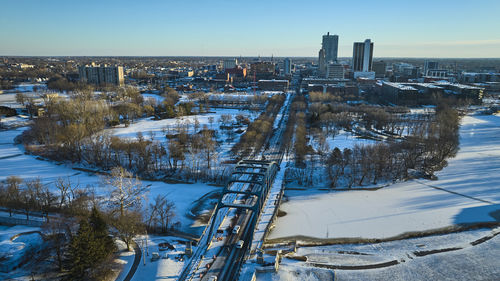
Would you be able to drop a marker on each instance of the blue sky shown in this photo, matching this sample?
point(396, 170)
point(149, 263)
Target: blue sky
point(404, 28)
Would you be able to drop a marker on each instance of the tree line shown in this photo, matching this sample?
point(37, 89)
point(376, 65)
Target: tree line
point(260, 130)
point(416, 145)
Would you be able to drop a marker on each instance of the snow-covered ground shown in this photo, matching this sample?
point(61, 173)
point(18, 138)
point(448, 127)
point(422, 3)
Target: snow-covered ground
point(415, 260)
point(13, 162)
point(160, 127)
point(472, 179)
point(167, 267)
point(343, 140)
point(15, 243)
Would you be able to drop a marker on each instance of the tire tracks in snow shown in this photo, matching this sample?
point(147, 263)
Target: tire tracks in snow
point(456, 193)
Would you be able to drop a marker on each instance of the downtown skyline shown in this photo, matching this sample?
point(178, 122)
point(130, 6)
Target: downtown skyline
point(448, 29)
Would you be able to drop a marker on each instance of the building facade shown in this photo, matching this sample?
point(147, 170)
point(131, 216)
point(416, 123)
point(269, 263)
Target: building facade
point(273, 85)
point(230, 63)
point(321, 62)
point(287, 66)
point(428, 65)
point(379, 67)
point(101, 74)
point(335, 71)
point(330, 44)
point(362, 56)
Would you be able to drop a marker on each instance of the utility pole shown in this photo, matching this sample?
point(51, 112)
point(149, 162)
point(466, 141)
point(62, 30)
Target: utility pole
point(143, 254)
point(147, 250)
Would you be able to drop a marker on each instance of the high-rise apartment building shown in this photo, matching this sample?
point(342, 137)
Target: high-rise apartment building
point(101, 74)
point(331, 46)
point(362, 56)
point(287, 66)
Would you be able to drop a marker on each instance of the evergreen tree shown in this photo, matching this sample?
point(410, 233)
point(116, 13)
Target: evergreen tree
point(81, 254)
point(91, 246)
point(104, 243)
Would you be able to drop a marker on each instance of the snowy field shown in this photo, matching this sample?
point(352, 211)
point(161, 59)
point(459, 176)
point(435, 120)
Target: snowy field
point(343, 140)
point(467, 190)
point(13, 162)
point(8, 98)
point(467, 262)
point(159, 127)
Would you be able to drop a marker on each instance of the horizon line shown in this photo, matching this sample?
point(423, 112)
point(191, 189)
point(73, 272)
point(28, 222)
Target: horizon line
point(205, 56)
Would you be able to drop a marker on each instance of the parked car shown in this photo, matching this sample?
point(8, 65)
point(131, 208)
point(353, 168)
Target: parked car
point(165, 246)
point(155, 256)
point(239, 244)
point(236, 229)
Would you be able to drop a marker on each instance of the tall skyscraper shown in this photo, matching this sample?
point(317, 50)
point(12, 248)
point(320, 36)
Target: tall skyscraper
point(287, 66)
point(331, 46)
point(362, 56)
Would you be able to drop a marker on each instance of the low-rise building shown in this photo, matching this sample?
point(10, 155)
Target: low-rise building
point(412, 94)
point(274, 85)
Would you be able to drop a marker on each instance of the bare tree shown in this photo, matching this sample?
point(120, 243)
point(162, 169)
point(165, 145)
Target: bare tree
point(64, 188)
point(13, 195)
point(125, 191)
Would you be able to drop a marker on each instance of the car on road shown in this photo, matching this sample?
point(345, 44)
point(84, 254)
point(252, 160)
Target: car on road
point(236, 229)
point(155, 256)
point(239, 244)
point(212, 278)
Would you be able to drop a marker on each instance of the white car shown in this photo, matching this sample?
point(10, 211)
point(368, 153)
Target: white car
point(155, 256)
point(236, 229)
point(239, 244)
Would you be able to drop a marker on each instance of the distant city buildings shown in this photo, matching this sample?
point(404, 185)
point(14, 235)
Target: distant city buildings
point(273, 85)
point(402, 72)
point(430, 65)
point(230, 63)
point(24, 65)
point(101, 74)
point(263, 70)
point(437, 73)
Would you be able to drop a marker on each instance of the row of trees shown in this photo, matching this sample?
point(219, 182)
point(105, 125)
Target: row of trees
point(260, 130)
